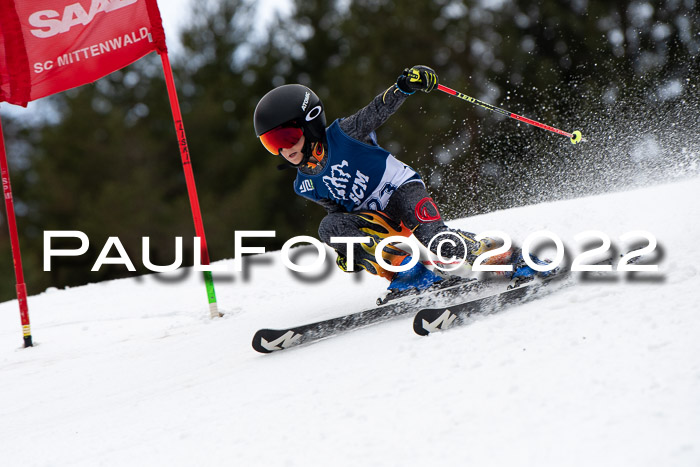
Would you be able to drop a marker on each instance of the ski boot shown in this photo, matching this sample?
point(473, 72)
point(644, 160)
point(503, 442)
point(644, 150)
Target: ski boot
point(414, 281)
point(522, 273)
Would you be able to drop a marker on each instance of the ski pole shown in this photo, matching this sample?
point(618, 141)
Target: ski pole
point(575, 137)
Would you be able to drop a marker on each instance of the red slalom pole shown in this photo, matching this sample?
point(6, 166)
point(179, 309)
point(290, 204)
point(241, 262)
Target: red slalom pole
point(191, 187)
point(575, 137)
point(14, 240)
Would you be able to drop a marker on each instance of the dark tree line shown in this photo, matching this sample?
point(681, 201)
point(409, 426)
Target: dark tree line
point(624, 73)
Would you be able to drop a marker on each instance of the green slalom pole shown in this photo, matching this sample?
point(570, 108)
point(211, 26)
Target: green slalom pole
point(574, 137)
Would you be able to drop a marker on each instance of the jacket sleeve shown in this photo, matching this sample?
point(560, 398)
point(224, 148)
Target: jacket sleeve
point(329, 205)
point(365, 121)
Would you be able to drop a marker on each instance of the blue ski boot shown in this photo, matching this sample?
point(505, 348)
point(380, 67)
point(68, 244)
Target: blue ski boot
point(414, 281)
point(418, 277)
point(523, 273)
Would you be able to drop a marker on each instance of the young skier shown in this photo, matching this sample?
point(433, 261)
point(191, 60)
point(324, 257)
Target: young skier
point(366, 191)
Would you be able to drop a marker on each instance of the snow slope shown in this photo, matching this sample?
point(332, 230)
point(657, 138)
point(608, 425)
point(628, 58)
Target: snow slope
point(133, 372)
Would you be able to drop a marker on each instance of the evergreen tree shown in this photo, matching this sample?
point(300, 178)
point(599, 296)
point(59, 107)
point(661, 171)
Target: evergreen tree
point(109, 164)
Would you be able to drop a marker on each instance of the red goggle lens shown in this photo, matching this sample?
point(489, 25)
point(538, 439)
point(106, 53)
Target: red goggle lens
point(281, 138)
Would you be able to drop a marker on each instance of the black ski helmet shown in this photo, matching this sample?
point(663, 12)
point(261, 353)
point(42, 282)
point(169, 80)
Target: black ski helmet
point(291, 102)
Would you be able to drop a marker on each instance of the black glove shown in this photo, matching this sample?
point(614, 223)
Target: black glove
point(417, 78)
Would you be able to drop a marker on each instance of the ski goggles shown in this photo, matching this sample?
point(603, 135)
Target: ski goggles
point(281, 138)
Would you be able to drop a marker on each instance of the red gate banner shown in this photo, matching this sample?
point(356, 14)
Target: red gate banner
point(49, 46)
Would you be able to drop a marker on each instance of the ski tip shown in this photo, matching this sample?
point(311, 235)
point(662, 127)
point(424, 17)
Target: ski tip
point(418, 324)
point(433, 319)
point(271, 340)
point(429, 320)
point(257, 342)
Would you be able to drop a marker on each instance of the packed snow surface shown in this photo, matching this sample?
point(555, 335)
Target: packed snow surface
point(605, 373)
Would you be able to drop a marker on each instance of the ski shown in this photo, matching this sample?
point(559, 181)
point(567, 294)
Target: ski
point(435, 319)
point(271, 340)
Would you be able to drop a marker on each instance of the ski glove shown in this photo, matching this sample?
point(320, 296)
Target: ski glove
point(417, 78)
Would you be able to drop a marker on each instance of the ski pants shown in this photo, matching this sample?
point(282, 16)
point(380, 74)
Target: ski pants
point(410, 210)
